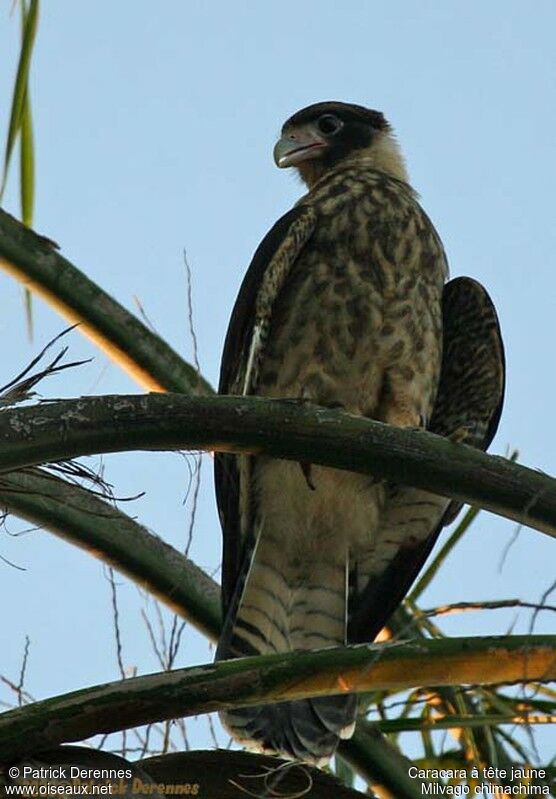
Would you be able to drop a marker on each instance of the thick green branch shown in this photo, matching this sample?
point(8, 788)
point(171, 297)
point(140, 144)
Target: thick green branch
point(35, 262)
point(283, 429)
point(105, 532)
point(275, 678)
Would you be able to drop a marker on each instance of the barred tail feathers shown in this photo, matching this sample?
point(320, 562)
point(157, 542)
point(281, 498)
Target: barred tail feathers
point(286, 605)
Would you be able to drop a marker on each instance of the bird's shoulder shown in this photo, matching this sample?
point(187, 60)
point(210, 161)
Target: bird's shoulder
point(361, 207)
point(358, 182)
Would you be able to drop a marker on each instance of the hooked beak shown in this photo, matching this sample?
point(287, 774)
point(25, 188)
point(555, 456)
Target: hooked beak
point(298, 145)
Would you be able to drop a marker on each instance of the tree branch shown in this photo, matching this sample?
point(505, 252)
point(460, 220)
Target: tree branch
point(91, 523)
point(282, 429)
point(34, 261)
point(273, 678)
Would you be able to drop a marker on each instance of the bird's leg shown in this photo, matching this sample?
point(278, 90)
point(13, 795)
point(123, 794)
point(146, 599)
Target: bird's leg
point(400, 402)
point(401, 414)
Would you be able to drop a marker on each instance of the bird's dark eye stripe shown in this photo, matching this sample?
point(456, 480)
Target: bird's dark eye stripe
point(329, 124)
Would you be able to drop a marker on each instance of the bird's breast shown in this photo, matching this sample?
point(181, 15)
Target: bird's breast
point(350, 310)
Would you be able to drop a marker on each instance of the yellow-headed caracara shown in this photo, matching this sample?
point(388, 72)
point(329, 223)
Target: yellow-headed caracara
point(345, 305)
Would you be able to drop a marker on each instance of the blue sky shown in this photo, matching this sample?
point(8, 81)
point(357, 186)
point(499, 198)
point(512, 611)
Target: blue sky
point(154, 132)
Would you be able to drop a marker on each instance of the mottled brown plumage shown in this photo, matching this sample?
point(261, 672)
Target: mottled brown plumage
point(341, 307)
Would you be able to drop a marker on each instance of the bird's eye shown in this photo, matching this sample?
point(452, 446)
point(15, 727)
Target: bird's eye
point(329, 124)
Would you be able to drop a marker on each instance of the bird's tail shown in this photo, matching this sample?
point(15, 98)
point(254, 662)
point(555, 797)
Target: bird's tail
point(282, 605)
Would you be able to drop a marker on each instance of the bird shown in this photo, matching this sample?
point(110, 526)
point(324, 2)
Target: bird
point(346, 306)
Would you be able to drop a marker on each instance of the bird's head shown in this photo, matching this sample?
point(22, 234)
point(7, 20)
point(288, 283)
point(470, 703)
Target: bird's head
point(323, 135)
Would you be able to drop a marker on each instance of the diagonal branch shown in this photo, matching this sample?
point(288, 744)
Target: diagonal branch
point(274, 678)
point(389, 767)
point(282, 429)
point(35, 262)
point(91, 523)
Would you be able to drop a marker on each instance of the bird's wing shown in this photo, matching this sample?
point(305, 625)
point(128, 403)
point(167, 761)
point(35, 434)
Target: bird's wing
point(471, 391)
point(467, 409)
point(243, 347)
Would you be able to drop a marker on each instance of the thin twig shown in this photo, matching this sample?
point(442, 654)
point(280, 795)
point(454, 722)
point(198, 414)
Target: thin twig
point(458, 607)
point(21, 681)
point(195, 499)
point(190, 313)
